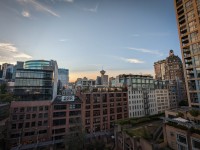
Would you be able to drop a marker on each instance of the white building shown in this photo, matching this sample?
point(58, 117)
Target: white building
point(141, 102)
point(142, 96)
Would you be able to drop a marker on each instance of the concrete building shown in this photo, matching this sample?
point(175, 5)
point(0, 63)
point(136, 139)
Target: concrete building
point(104, 78)
point(102, 107)
point(171, 70)
point(182, 129)
point(63, 77)
point(162, 100)
point(142, 97)
point(159, 68)
point(84, 82)
point(37, 80)
point(139, 134)
point(8, 70)
point(187, 16)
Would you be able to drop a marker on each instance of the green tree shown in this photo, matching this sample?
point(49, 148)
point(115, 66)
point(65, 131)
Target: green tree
point(183, 103)
point(180, 114)
point(3, 88)
point(194, 112)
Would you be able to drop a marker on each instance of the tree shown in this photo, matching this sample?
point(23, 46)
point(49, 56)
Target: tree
point(183, 103)
point(194, 112)
point(180, 114)
point(3, 88)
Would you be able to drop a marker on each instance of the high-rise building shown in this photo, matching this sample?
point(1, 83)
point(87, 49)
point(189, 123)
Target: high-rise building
point(187, 15)
point(19, 65)
point(37, 80)
point(159, 68)
point(104, 78)
point(63, 77)
point(171, 70)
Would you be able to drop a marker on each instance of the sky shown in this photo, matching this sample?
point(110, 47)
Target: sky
point(84, 36)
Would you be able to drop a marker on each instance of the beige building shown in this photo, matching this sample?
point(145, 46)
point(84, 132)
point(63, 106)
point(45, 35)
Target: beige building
point(162, 100)
point(188, 23)
point(182, 130)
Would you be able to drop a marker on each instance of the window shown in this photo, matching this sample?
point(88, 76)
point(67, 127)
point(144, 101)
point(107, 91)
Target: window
point(33, 124)
point(41, 108)
point(27, 125)
point(33, 116)
point(59, 107)
point(195, 144)
point(181, 139)
point(14, 126)
point(34, 108)
point(39, 123)
point(14, 117)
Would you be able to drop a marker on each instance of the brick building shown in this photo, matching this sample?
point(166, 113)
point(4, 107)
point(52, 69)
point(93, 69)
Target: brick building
point(101, 107)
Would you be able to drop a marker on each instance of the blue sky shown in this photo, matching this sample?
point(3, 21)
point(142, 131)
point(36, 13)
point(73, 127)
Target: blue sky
point(122, 36)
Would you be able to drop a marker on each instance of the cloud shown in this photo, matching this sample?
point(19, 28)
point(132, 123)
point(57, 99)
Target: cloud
point(39, 7)
point(95, 9)
point(143, 50)
point(135, 35)
point(70, 1)
point(9, 53)
point(63, 40)
point(25, 13)
point(131, 60)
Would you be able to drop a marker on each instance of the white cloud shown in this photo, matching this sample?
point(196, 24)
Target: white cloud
point(95, 9)
point(143, 50)
point(25, 13)
point(135, 35)
point(132, 60)
point(70, 1)
point(39, 7)
point(8, 47)
point(63, 40)
point(22, 55)
point(9, 53)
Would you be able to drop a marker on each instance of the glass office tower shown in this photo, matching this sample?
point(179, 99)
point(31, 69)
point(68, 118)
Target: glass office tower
point(37, 80)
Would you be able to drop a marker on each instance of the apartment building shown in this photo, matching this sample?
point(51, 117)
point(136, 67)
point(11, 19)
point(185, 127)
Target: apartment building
point(182, 129)
point(29, 123)
point(187, 16)
point(102, 107)
point(142, 95)
point(162, 100)
point(39, 124)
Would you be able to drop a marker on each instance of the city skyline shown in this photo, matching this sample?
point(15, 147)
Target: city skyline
point(84, 36)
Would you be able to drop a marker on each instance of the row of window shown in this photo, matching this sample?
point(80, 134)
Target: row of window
point(30, 109)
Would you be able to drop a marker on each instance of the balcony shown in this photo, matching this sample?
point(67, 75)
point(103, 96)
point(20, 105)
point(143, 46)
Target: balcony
point(186, 50)
point(186, 56)
point(178, 3)
point(180, 11)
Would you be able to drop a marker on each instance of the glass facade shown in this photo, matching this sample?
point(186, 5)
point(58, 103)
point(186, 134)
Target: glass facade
point(33, 84)
point(37, 64)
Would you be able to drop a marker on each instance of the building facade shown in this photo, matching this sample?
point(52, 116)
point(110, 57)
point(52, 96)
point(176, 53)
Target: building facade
point(142, 96)
point(187, 16)
point(44, 124)
point(37, 80)
point(159, 69)
point(63, 77)
point(102, 107)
